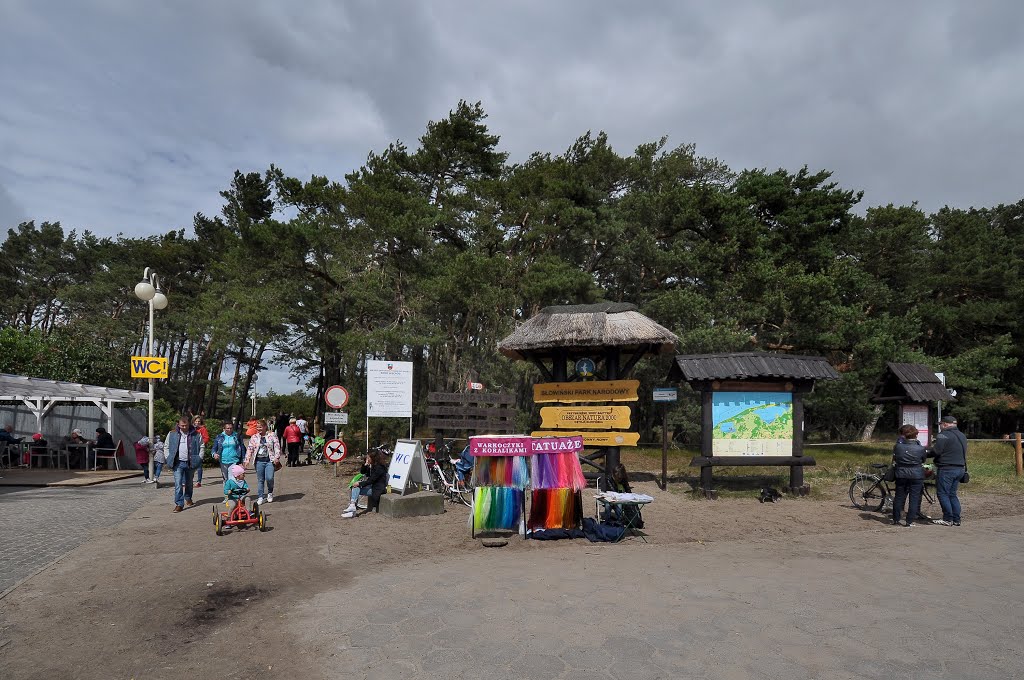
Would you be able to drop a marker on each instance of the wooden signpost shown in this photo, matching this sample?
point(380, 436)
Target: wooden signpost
point(594, 438)
point(595, 390)
point(585, 417)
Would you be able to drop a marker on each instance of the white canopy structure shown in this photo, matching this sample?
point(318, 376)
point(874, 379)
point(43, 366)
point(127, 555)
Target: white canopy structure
point(41, 395)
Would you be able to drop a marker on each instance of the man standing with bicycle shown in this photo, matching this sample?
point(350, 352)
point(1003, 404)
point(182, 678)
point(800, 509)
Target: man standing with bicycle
point(950, 453)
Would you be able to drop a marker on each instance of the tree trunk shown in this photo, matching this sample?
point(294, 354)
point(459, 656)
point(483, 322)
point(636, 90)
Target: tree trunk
point(869, 427)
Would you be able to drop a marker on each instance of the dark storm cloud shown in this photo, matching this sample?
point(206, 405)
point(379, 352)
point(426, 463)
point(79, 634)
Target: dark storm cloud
point(131, 116)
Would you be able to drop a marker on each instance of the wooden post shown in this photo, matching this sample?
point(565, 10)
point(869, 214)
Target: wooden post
point(664, 447)
point(1017, 454)
point(706, 442)
point(796, 472)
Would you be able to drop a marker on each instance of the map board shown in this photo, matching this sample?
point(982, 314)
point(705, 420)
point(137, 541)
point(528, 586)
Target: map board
point(752, 423)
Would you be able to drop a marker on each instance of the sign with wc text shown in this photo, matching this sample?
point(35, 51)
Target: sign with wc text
point(149, 367)
point(407, 466)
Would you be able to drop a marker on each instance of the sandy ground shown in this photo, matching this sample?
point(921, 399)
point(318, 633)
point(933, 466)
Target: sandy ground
point(161, 596)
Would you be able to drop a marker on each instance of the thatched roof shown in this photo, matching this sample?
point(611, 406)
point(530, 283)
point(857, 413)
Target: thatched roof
point(586, 328)
point(909, 383)
point(749, 366)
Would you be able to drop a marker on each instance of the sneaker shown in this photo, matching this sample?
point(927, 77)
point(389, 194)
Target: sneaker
point(189, 503)
point(259, 501)
point(177, 508)
point(348, 514)
point(198, 484)
point(910, 524)
point(956, 524)
point(270, 498)
point(942, 522)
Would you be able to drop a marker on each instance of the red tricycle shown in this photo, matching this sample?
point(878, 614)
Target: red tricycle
point(240, 516)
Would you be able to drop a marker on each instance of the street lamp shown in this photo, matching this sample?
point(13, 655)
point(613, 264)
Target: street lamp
point(148, 290)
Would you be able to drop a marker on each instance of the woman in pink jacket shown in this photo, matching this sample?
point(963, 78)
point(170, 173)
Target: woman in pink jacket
point(264, 451)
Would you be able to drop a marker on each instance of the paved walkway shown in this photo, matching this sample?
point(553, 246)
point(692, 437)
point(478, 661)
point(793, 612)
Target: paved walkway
point(930, 602)
point(38, 525)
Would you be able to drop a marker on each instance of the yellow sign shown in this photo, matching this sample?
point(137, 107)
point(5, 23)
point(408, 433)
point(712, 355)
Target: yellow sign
point(149, 367)
point(588, 417)
point(595, 438)
point(592, 390)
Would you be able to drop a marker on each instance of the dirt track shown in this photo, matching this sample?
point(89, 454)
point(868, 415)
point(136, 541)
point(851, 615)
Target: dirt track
point(162, 596)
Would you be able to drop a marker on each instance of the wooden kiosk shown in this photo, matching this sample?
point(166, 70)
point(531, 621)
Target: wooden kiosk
point(585, 355)
point(913, 388)
point(752, 410)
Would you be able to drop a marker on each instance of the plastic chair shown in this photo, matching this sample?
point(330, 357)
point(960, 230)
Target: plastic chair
point(113, 453)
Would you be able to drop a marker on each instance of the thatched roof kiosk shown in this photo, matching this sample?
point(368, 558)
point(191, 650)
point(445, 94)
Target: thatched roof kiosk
point(594, 338)
point(602, 331)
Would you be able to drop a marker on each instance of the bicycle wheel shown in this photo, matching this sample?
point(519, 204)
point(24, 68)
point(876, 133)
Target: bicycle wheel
point(868, 493)
point(462, 494)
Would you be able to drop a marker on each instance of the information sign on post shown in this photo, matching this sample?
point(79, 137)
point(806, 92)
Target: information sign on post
point(665, 394)
point(331, 418)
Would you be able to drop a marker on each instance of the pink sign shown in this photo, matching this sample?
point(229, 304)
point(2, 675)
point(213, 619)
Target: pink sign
point(499, 445)
point(556, 444)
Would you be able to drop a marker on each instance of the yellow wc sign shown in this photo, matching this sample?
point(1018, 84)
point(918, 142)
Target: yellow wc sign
point(149, 367)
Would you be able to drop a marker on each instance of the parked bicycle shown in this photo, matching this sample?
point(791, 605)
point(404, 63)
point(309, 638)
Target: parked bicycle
point(444, 480)
point(869, 490)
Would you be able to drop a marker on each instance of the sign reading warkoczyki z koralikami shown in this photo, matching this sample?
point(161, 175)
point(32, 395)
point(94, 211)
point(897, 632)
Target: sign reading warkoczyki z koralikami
point(389, 389)
point(149, 367)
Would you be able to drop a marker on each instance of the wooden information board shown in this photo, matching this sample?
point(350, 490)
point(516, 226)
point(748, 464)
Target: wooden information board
point(591, 390)
point(594, 438)
point(585, 417)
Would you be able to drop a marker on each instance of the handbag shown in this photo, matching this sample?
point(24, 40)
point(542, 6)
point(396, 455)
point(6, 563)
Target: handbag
point(890, 474)
point(965, 477)
point(277, 465)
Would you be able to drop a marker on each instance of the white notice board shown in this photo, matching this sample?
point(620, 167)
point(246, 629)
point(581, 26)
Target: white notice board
point(388, 389)
point(407, 466)
point(917, 415)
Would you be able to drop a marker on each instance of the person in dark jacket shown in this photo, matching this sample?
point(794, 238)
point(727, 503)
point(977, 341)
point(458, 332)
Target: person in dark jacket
point(950, 452)
point(908, 456)
point(373, 483)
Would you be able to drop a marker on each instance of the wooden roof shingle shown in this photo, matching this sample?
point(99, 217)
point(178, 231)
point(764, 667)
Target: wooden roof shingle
point(750, 365)
point(909, 382)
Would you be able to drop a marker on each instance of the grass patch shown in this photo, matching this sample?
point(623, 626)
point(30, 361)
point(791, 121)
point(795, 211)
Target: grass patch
point(991, 465)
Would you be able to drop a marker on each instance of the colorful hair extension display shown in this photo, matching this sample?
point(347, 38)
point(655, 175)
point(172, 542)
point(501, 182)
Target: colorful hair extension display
point(500, 477)
point(555, 509)
point(556, 478)
point(510, 471)
point(557, 471)
point(497, 507)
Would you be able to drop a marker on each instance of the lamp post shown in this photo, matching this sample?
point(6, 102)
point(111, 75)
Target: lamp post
point(148, 290)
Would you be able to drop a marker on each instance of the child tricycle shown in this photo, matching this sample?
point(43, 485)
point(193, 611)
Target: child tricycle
point(239, 516)
point(236, 491)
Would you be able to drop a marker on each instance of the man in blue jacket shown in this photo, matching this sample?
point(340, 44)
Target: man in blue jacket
point(228, 449)
point(950, 452)
point(184, 452)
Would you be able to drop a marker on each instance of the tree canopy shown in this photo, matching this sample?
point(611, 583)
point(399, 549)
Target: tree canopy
point(433, 253)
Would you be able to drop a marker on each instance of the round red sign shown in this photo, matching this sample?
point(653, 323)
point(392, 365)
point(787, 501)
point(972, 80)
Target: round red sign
point(336, 396)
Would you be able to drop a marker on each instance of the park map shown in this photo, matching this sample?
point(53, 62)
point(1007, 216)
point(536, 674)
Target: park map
point(752, 423)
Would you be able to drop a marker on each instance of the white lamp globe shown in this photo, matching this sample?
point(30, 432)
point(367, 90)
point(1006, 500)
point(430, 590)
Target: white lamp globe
point(144, 290)
point(159, 300)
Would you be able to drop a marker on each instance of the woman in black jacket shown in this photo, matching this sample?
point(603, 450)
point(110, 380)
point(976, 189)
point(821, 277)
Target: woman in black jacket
point(373, 483)
point(908, 457)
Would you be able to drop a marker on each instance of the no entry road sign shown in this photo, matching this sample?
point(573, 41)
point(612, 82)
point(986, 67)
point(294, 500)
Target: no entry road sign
point(336, 396)
point(335, 450)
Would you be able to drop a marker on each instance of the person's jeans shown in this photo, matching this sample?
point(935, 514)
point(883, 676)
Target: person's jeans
point(224, 470)
point(182, 483)
point(199, 474)
point(158, 467)
point(293, 452)
point(358, 491)
point(905, 487)
point(947, 480)
point(145, 470)
point(264, 472)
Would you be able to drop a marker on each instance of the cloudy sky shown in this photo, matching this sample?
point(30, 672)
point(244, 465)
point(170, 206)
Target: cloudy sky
point(129, 117)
